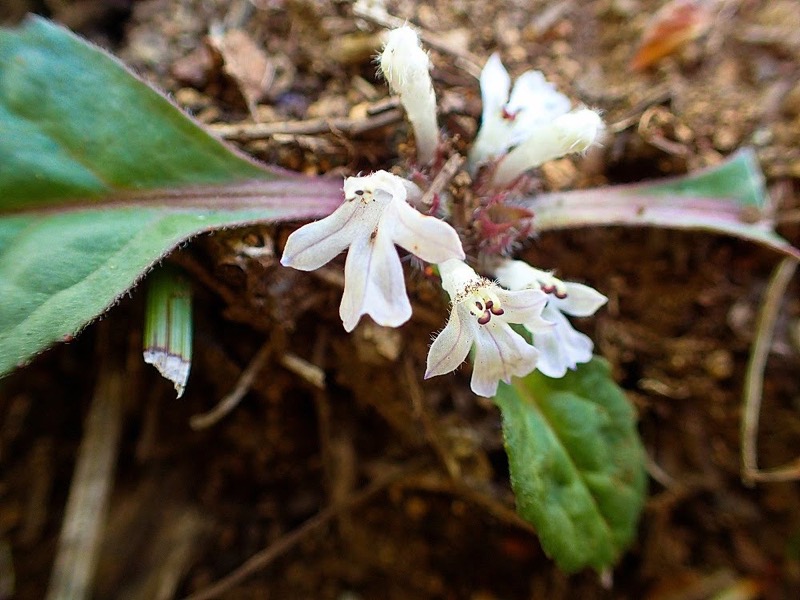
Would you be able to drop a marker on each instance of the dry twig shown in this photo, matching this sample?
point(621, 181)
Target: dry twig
point(443, 178)
point(263, 558)
point(244, 132)
point(449, 463)
point(84, 518)
point(754, 380)
point(308, 371)
point(497, 509)
point(231, 401)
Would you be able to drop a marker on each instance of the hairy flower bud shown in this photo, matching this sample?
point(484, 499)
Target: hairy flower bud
point(406, 67)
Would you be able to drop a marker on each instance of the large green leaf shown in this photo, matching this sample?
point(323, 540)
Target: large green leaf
point(577, 465)
point(75, 123)
point(100, 177)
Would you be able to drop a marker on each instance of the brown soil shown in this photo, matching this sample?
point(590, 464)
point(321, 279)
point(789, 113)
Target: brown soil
point(191, 506)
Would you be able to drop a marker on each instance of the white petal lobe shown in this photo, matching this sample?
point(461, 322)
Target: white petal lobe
point(562, 347)
point(581, 300)
point(374, 284)
point(500, 354)
point(317, 243)
point(450, 348)
point(427, 237)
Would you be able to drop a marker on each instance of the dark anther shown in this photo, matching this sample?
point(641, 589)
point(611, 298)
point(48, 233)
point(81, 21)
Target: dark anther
point(552, 289)
point(496, 311)
point(485, 318)
point(479, 305)
point(359, 192)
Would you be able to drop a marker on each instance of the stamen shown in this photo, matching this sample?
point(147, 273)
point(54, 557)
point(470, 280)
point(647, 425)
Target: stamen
point(487, 316)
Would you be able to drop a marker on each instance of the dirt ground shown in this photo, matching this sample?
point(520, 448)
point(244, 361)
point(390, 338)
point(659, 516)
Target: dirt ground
point(188, 507)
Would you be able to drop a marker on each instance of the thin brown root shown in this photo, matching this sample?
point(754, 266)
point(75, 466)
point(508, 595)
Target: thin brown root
point(231, 401)
point(448, 462)
point(263, 558)
point(754, 379)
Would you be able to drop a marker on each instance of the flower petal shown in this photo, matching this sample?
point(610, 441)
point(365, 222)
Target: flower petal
point(450, 347)
point(562, 347)
point(534, 101)
point(319, 242)
point(581, 300)
point(427, 237)
point(374, 283)
point(457, 276)
point(500, 354)
point(495, 129)
point(495, 85)
point(572, 132)
point(524, 307)
point(380, 186)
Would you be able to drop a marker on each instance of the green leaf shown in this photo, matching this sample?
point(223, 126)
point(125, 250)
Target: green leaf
point(168, 325)
point(738, 179)
point(577, 464)
point(75, 123)
point(100, 177)
point(730, 199)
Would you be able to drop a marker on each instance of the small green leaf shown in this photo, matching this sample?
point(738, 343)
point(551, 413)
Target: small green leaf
point(729, 199)
point(100, 177)
point(577, 464)
point(168, 326)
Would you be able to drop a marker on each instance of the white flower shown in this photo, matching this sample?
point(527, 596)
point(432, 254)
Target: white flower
point(533, 122)
point(508, 120)
point(561, 347)
point(406, 67)
point(480, 314)
point(373, 218)
point(567, 134)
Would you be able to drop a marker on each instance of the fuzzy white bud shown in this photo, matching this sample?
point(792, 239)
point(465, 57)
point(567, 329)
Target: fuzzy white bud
point(573, 132)
point(406, 67)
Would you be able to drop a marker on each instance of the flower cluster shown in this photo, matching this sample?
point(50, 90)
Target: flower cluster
point(532, 121)
point(521, 129)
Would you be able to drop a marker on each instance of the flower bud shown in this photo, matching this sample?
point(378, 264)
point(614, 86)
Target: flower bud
point(406, 67)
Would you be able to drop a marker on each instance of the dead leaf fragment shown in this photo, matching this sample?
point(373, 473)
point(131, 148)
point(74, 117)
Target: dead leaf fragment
point(675, 24)
point(244, 62)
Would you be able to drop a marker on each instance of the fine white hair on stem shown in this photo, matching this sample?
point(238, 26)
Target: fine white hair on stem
point(406, 67)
